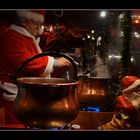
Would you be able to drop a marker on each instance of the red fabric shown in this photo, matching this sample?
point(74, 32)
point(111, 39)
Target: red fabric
point(128, 80)
point(3, 28)
point(15, 49)
point(13, 126)
point(1, 99)
point(123, 103)
point(9, 116)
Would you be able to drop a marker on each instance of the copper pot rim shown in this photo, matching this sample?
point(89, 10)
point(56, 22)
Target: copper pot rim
point(45, 81)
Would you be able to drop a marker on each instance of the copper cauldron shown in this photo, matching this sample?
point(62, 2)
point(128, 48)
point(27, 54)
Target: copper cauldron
point(93, 91)
point(46, 102)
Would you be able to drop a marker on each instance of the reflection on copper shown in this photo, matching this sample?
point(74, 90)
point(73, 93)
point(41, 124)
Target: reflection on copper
point(93, 91)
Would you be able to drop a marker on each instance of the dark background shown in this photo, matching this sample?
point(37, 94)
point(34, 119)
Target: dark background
point(83, 18)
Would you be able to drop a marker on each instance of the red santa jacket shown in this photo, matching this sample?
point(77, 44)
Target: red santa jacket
point(15, 48)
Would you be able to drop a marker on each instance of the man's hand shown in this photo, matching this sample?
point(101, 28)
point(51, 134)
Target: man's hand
point(62, 63)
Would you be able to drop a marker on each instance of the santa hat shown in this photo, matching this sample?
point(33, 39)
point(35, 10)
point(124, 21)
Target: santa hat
point(128, 80)
point(36, 15)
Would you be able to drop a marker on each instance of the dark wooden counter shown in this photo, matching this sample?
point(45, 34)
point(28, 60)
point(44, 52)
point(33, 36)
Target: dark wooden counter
point(91, 120)
point(86, 120)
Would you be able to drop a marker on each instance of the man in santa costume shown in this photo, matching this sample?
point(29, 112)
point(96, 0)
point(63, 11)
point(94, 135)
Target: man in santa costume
point(127, 113)
point(19, 43)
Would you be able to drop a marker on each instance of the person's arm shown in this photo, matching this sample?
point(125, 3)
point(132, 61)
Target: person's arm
point(15, 49)
point(19, 48)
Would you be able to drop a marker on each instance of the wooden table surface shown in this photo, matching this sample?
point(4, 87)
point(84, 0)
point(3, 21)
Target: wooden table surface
point(91, 120)
point(86, 120)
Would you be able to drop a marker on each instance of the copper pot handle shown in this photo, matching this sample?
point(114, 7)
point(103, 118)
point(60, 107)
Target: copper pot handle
point(54, 54)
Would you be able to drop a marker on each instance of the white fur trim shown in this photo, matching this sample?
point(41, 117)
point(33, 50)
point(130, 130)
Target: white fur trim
point(30, 15)
point(9, 87)
point(50, 65)
point(9, 97)
point(26, 33)
point(21, 30)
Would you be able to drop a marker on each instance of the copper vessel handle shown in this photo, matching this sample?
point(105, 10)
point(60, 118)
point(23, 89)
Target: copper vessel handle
point(54, 54)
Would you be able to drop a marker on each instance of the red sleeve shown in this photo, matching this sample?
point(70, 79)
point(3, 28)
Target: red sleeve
point(15, 49)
